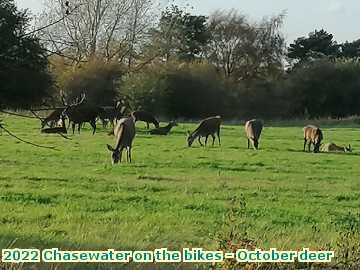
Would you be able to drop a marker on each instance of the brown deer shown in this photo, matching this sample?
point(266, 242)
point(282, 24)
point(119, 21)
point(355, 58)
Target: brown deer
point(332, 147)
point(312, 135)
point(145, 117)
point(163, 130)
point(52, 118)
point(59, 129)
point(124, 134)
point(253, 130)
point(208, 126)
point(79, 113)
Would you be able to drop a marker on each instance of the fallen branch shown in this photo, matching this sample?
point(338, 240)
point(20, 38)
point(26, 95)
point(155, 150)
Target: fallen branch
point(24, 141)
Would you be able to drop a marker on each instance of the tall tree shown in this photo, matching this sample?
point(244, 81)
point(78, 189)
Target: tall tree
point(243, 50)
point(317, 45)
point(108, 28)
point(23, 62)
point(180, 34)
point(351, 49)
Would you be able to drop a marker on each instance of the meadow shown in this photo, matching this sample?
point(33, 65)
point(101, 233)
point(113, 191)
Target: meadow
point(171, 195)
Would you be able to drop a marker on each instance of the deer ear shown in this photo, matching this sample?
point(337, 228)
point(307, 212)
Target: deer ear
point(110, 148)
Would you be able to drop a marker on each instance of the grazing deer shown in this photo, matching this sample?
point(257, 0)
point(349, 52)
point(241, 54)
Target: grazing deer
point(124, 133)
point(79, 113)
point(253, 130)
point(163, 130)
point(312, 135)
point(52, 118)
point(332, 147)
point(208, 126)
point(145, 117)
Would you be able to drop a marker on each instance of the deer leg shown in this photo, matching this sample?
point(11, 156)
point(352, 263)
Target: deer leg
point(129, 153)
point(79, 127)
point(218, 134)
point(73, 127)
point(213, 137)
point(304, 144)
point(200, 141)
point(93, 124)
point(310, 146)
point(248, 143)
point(206, 138)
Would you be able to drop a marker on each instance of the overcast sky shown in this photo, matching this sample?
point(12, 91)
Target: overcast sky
point(338, 17)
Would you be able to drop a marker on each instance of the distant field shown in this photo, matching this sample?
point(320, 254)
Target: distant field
point(171, 195)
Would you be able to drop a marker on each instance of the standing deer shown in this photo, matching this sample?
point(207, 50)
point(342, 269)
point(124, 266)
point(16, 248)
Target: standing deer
point(332, 147)
point(208, 126)
point(111, 114)
point(79, 113)
point(163, 130)
point(312, 135)
point(145, 117)
point(253, 130)
point(124, 134)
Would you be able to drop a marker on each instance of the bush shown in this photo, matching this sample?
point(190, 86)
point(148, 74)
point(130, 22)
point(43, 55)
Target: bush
point(186, 90)
point(98, 79)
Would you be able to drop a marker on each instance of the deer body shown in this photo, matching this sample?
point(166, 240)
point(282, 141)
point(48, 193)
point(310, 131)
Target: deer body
point(209, 126)
point(253, 130)
point(145, 117)
point(124, 135)
point(332, 147)
point(52, 118)
point(163, 130)
point(81, 114)
point(110, 114)
point(312, 135)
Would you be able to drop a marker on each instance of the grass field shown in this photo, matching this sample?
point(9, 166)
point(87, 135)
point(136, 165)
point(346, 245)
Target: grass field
point(171, 195)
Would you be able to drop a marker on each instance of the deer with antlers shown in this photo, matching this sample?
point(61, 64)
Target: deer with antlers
point(79, 113)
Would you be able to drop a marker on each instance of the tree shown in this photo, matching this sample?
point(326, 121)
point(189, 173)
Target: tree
point(180, 34)
point(317, 45)
point(23, 62)
point(104, 28)
point(243, 50)
point(350, 49)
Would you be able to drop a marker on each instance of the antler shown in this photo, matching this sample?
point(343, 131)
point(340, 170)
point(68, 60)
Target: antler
point(79, 100)
point(63, 99)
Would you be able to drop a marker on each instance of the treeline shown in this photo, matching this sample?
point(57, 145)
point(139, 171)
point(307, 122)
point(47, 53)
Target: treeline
point(177, 64)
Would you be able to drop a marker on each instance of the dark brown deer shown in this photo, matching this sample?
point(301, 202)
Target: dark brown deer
point(163, 130)
point(253, 130)
point(312, 135)
point(111, 113)
point(208, 126)
point(124, 134)
point(79, 113)
point(145, 117)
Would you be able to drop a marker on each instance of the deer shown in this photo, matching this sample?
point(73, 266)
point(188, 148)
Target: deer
point(145, 117)
point(79, 113)
point(52, 118)
point(253, 130)
point(124, 132)
point(209, 126)
point(61, 128)
point(163, 130)
point(332, 147)
point(111, 114)
point(312, 135)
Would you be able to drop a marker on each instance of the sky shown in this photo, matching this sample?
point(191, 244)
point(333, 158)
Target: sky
point(339, 17)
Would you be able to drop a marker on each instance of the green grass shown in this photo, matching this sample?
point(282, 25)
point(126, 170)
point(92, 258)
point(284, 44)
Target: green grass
point(171, 195)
